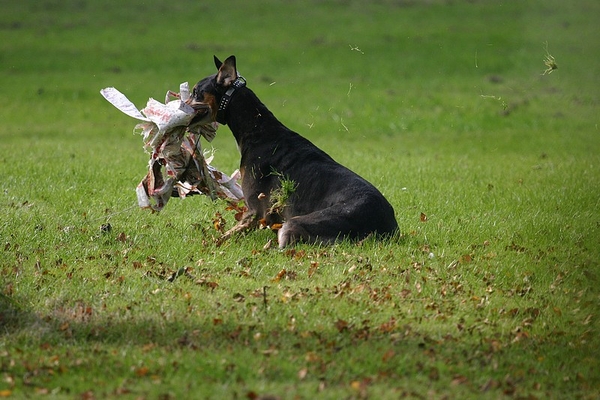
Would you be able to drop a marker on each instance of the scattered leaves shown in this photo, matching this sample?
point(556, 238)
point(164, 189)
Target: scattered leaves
point(284, 274)
point(314, 266)
point(219, 222)
point(206, 282)
point(302, 373)
point(515, 247)
point(459, 380)
point(279, 275)
point(388, 355)
point(179, 272)
point(342, 325)
point(239, 297)
point(254, 396)
point(105, 228)
point(239, 209)
point(465, 259)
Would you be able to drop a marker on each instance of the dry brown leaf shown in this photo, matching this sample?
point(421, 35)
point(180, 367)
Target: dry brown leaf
point(341, 325)
point(434, 374)
point(314, 265)
point(219, 222)
point(465, 259)
point(302, 373)
point(89, 395)
point(312, 357)
point(239, 297)
point(459, 380)
point(388, 326)
point(279, 275)
point(388, 355)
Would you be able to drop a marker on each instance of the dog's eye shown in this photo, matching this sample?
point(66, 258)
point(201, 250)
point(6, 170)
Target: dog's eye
point(198, 94)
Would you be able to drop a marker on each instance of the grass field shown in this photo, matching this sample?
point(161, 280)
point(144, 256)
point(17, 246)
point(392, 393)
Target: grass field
point(490, 159)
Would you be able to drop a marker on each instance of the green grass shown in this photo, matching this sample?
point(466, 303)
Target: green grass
point(492, 168)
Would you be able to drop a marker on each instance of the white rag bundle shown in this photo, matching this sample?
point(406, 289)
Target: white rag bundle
point(164, 128)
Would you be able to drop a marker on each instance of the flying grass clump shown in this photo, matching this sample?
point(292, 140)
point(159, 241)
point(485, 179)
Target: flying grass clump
point(550, 62)
point(280, 197)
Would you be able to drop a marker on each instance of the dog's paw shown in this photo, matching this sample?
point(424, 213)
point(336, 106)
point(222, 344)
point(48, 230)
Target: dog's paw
point(281, 236)
point(284, 236)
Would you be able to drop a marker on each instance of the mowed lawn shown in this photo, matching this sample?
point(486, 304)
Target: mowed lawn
point(478, 120)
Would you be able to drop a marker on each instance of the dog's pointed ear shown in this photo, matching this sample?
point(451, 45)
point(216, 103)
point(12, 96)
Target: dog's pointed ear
point(227, 72)
point(218, 62)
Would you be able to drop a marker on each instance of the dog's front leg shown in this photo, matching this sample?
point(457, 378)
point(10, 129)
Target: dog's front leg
point(249, 221)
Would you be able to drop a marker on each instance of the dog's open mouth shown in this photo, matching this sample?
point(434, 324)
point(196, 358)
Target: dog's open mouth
point(171, 132)
point(202, 120)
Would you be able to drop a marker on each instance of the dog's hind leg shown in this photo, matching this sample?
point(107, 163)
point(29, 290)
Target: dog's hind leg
point(248, 221)
point(319, 227)
point(337, 222)
point(300, 229)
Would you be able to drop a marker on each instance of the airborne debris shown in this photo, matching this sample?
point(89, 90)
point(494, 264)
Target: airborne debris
point(355, 48)
point(549, 61)
point(279, 197)
point(172, 139)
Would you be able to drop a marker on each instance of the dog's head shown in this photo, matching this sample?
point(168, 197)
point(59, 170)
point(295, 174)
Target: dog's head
point(213, 91)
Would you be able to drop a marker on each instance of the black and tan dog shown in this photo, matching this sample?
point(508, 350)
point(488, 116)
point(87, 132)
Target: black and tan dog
point(288, 183)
